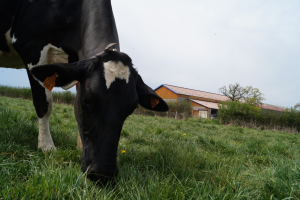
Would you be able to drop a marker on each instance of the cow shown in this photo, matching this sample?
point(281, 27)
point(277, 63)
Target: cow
point(62, 43)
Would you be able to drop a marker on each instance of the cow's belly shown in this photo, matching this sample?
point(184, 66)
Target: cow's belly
point(10, 59)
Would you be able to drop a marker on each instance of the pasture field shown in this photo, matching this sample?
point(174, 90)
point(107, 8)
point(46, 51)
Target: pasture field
point(164, 159)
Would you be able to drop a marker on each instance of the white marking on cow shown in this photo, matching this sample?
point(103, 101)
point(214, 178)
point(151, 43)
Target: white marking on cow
point(68, 86)
point(113, 70)
point(45, 141)
point(30, 66)
point(49, 55)
point(14, 39)
point(10, 59)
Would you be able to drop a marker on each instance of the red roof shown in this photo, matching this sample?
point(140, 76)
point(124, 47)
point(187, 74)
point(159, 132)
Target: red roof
point(271, 108)
point(208, 95)
point(196, 93)
point(207, 104)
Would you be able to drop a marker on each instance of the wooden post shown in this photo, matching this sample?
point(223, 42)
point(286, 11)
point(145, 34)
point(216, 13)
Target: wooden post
point(209, 113)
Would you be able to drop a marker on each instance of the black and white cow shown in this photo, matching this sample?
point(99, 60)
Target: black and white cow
point(63, 42)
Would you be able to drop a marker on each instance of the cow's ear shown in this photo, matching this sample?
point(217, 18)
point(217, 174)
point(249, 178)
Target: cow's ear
point(58, 75)
point(148, 98)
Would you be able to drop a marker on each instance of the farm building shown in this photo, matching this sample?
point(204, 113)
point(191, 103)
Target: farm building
point(204, 104)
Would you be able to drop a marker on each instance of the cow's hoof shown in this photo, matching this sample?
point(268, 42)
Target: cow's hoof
point(47, 148)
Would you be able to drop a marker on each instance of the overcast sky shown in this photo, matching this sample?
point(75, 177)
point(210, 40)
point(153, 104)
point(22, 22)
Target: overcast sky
point(205, 45)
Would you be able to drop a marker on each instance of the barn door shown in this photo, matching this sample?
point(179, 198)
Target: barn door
point(195, 113)
point(203, 113)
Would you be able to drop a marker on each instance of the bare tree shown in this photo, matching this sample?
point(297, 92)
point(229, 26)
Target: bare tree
point(234, 92)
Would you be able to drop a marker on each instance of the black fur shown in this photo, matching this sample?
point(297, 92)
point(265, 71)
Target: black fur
point(82, 29)
point(101, 112)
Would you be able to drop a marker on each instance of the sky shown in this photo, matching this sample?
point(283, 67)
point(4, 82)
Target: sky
point(204, 45)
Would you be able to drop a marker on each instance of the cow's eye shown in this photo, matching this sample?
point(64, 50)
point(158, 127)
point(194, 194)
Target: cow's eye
point(86, 102)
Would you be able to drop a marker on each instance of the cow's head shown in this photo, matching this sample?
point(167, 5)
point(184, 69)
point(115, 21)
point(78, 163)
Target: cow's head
point(109, 91)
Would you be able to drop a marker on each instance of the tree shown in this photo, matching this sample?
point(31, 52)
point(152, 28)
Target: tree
point(297, 106)
point(248, 94)
point(253, 96)
point(234, 93)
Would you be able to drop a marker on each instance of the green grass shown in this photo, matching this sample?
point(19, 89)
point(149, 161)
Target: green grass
point(211, 161)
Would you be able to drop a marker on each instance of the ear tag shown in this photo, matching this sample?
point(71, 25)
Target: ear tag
point(154, 102)
point(49, 82)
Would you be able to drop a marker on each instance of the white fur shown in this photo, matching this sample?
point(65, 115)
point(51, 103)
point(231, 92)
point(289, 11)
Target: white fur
point(45, 141)
point(14, 39)
point(30, 66)
point(113, 70)
point(68, 86)
point(49, 55)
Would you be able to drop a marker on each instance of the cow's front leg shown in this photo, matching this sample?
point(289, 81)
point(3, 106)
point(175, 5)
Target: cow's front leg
point(42, 100)
point(45, 141)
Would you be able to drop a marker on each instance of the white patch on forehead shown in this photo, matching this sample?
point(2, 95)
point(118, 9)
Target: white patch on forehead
point(14, 39)
point(113, 70)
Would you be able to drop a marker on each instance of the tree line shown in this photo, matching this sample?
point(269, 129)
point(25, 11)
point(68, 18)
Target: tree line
point(243, 108)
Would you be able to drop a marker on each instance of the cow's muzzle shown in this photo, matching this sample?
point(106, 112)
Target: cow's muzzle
point(102, 173)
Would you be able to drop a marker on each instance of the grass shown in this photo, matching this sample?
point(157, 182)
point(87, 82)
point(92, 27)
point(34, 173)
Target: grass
point(211, 161)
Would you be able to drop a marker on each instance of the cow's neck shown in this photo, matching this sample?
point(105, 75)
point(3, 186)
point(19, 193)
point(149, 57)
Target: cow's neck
point(98, 27)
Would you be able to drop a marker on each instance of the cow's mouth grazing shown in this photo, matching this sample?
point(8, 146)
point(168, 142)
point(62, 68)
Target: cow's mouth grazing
point(99, 155)
point(103, 171)
point(102, 176)
point(109, 91)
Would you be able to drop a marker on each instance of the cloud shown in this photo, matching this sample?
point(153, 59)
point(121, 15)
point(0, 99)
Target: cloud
point(205, 45)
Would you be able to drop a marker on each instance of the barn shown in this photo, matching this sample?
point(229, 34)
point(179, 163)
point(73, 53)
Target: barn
point(204, 104)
